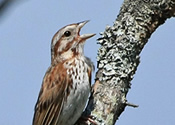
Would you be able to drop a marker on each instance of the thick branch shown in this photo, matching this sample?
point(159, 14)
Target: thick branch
point(118, 56)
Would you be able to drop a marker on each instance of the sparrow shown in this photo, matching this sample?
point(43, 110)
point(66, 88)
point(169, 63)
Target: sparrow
point(66, 84)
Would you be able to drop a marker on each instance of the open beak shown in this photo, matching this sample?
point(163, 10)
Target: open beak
point(84, 36)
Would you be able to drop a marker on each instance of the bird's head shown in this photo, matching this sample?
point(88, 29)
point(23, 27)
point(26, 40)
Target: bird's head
point(68, 42)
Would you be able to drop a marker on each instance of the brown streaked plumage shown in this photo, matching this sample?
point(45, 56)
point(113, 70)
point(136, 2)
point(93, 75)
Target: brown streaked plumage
point(66, 84)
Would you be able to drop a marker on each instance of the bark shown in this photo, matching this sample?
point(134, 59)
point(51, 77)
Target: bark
point(118, 57)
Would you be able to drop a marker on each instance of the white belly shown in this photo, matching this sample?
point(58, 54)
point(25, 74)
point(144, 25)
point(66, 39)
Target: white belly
point(76, 101)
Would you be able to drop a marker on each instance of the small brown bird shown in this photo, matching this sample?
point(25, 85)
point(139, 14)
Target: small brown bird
point(66, 84)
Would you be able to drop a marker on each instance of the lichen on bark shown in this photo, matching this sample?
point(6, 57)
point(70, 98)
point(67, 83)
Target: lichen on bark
point(118, 57)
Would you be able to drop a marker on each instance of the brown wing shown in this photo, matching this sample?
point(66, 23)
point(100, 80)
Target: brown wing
point(51, 97)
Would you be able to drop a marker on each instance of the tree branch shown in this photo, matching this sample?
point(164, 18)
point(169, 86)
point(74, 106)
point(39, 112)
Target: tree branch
point(4, 5)
point(118, 57)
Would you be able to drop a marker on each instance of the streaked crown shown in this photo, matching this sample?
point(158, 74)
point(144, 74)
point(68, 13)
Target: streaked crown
point(68, 42)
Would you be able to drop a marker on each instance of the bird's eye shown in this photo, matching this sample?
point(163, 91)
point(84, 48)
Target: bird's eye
point(67, 33)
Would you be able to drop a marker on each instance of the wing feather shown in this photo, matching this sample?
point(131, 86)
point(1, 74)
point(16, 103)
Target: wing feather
point(51, 97)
